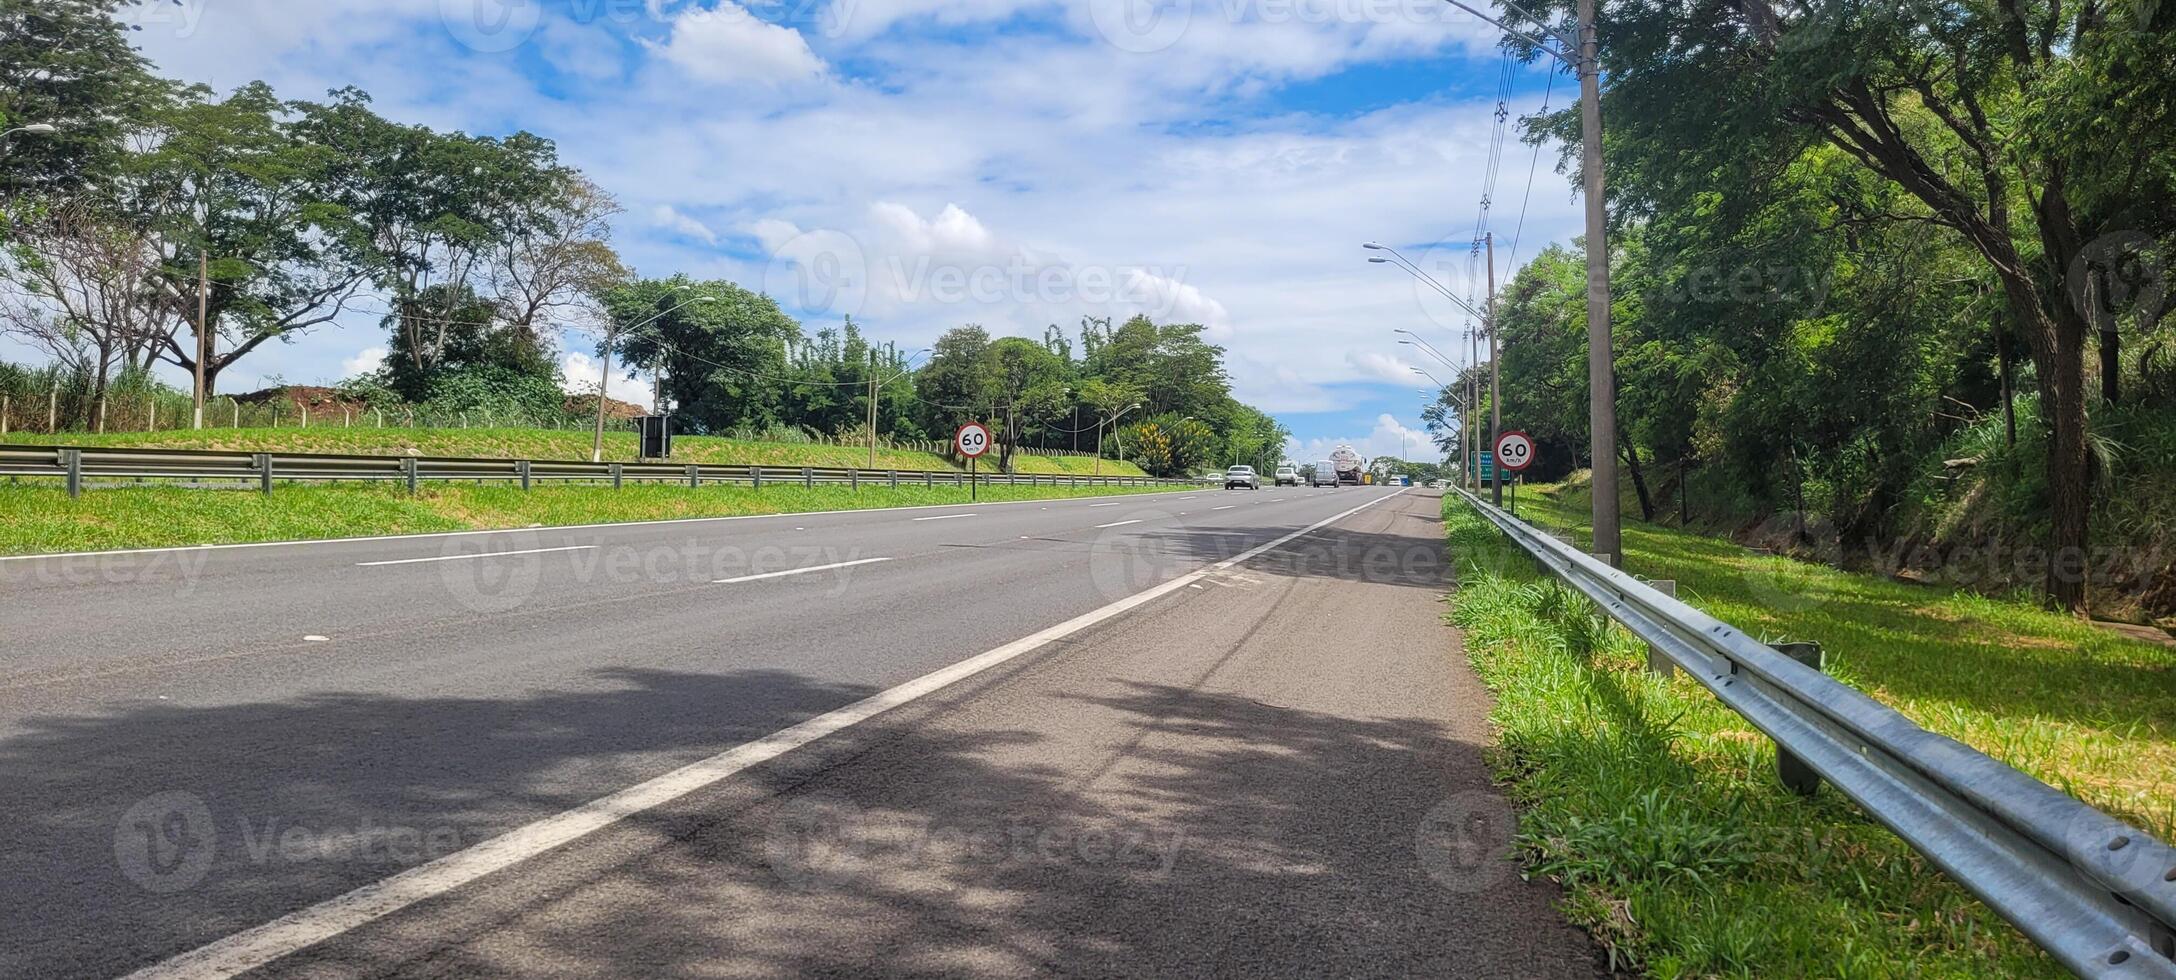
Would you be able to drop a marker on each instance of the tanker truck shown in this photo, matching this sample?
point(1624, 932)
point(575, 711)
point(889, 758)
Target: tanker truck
point(1349, 465)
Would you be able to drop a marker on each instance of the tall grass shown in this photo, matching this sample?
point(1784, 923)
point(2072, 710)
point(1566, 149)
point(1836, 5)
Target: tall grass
point(1658, 808)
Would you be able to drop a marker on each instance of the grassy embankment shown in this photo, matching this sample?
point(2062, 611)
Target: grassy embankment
point(36, 516)
point(548, 444)
point(42, 519)
point(1658, 807)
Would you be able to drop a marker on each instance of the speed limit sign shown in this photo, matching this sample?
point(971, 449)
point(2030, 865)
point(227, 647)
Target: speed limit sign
point(1515, 451)
point(973, 440)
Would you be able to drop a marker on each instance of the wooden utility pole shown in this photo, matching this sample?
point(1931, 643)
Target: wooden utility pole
point(1495, 376)
point(1601, 358)
point(203, 339)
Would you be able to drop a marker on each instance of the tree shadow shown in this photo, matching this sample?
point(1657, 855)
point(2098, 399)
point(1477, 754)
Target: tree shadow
point(1222, 838)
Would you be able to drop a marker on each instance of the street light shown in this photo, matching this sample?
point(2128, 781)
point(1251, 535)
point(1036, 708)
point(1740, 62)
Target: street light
point(604, 378)
point(1580, 50)
point(877, 387)
point(1112, 421)
point(1494, 370)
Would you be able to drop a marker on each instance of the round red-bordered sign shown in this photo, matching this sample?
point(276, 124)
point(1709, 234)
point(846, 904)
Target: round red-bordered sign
point(972, 440)
point(1515, 451)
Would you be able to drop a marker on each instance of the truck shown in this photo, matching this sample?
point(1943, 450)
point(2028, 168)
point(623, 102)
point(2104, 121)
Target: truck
point(1349, 465)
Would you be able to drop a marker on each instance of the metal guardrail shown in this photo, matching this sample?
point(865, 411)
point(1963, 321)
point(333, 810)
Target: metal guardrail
point(78, 467)
point(2098, 894)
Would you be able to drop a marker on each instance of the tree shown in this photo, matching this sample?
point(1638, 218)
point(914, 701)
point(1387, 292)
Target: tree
point(421, 209)
point(723, 362)
point(955, 383)
point(237, 200)
point(68, 64)
point(1026, 382)
point(558, 256)
point(80, 279)
point(1938, 99)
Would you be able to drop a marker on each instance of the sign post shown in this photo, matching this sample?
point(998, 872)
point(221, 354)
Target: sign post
point(972, 441)
point(1514, 453)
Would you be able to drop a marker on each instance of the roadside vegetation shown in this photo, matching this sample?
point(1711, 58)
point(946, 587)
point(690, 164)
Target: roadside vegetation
point(41, 519)
point(526, 443)
point(1659, 810)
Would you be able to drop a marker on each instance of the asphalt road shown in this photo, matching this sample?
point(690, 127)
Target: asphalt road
point(715, 747)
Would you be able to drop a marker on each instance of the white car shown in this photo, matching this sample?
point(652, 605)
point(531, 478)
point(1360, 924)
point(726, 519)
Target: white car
point(1241, 476)
point(1288, 475)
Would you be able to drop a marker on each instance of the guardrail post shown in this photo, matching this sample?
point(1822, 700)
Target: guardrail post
point(895, 479)
point(808, 478)
point(616, 477)
point(1792, 770)
point(522, 467)
point(1657, 662)
point(72, 459)
point(408, 472)
point(695, 475)
point(853, 479)
point(929, 479)
point(264, 472)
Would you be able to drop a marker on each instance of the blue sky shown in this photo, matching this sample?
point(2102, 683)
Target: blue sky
point(926, 163)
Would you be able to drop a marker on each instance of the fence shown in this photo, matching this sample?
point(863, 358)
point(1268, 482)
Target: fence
point(81, 468)
point(2096, 893)
point(63, 411)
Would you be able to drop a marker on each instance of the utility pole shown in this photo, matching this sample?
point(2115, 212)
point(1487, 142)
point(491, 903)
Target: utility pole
point(1601, 359)
point(604, 381)
point(1495, 373)
point(872, 408)
point(203, 338)
point(1473, 403)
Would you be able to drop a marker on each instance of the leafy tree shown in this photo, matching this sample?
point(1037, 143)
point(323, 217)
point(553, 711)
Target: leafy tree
point(67, 64)
point(1943, 102)
point(723, 362)
point(238, 201)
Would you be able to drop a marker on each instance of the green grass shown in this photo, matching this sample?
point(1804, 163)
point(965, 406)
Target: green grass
point(545, 444)
point(37, 519)
point(1658, 807)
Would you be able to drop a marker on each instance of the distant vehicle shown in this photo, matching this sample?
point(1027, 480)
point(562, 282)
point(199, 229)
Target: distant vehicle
point(1288, 474)
point(1350, 466)
point(1325, 474)
point(1241, 476)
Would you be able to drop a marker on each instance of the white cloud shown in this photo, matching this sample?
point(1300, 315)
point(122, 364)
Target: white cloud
point(1179, 176)
point(365, 361)
point(669, 218)
point(727, 44)
point(1390, 437)
point(1384, 367)
point(578, 375)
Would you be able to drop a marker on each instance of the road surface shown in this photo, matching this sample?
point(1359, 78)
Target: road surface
point(1202, 733)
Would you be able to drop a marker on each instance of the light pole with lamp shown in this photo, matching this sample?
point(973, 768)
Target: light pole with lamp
point(1464, 416)
point(604, 378)
point(1474, 394)
point(34, 129)
point(1495, 404)
point(1581, 51)
point(877, 387)
point(1112, 421)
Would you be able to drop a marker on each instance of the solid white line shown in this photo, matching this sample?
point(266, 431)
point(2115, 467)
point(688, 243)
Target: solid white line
point(253, 948)
point(1121, 504)
point(943, 517)
point(487, 554)
point(798, 571)
point(366, 539)
point(1100, 527)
